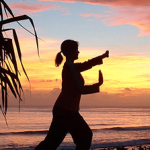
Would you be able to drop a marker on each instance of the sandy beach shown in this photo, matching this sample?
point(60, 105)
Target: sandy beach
point(130, 147)
point(138, 147)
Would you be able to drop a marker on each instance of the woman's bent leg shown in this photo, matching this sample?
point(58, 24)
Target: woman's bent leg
point(56, 133)
point(81, 133)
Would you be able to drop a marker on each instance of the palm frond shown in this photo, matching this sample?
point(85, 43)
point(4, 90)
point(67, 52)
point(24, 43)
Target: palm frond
point(7, 8)
point(9, 73)
point(18, 49)
point(19, 18)
point(1, 12)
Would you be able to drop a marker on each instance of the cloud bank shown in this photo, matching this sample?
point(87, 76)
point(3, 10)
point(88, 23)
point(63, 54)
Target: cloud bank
point(28, 8)
point(103, 99)
point(107, 2)
point(132, 12)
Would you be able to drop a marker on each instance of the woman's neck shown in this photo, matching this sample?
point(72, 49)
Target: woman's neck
point(69, 60)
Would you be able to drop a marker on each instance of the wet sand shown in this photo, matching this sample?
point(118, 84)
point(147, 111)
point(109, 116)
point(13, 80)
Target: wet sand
point(136, 147)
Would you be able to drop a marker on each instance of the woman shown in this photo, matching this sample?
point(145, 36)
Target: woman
point(66, 117)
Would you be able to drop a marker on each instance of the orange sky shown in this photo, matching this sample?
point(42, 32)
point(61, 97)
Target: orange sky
point(126, 78)
point(122, 26)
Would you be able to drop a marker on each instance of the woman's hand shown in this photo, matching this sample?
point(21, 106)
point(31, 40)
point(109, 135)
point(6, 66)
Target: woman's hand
point(106, 54)
point(100, 78)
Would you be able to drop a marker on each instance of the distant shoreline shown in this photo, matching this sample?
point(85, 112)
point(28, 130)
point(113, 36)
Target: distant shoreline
point(51, 106)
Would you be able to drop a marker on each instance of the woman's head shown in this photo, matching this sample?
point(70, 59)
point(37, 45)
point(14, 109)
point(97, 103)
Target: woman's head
point(68, 47)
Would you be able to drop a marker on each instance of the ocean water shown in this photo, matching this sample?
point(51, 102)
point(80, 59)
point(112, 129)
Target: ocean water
point(110, 126)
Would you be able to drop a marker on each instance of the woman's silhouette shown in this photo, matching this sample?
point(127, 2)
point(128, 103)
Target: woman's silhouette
point(66, 117)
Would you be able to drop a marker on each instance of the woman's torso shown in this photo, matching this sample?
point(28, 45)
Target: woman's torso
point(69, 97)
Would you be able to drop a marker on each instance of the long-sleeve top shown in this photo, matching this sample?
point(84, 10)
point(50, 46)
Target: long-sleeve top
point(73, 84)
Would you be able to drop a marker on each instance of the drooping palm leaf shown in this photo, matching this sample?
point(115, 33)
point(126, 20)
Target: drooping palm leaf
point(18, 49)
point(7, 8)
point(1, 12)
point(4, 115)
point(9, 73)
point(9, 50)
point(3, 99)
point(14, 79)
point(19, 18)
point(6, 101)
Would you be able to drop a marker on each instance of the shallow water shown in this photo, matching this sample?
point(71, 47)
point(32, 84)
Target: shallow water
point(109, 125)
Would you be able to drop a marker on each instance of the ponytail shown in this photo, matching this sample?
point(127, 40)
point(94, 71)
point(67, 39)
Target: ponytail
point(58, 59)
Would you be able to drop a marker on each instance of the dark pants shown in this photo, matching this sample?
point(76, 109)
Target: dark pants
point(63, 122)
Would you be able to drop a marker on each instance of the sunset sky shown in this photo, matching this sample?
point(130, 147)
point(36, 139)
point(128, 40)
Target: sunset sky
point(120, 26)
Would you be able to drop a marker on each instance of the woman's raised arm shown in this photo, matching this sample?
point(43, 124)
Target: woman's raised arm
point(92, 62)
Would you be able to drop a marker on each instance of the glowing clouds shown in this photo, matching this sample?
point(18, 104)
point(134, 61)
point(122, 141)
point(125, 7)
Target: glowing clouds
point(28, 8)
point(132, 12)
point(120, 15)
point(107, 2)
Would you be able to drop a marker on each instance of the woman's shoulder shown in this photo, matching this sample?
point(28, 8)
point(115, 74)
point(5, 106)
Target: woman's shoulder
point(69, 66)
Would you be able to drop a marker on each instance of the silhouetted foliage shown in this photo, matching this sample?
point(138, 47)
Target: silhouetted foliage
point(9, 73)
